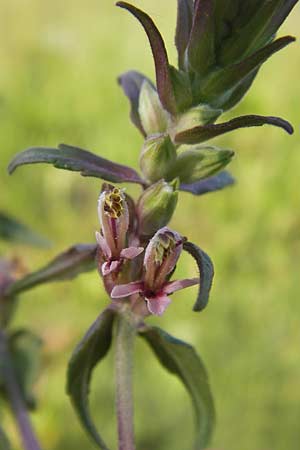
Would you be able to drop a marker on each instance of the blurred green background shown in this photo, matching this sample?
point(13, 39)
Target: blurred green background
point(59, 63)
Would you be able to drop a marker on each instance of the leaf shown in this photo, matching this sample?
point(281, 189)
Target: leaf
point(181, 359)
point(25, 351)
point(163, 79)
point(76, 159)
point(4, 443)
point(204, 133)
point(238, 93)
point(12, 230)
point(224, 80)
point(201, 47)
point(185, 9)
point(206, 270)
point(256, 31)
point(77, 259)
point(131, 83)
point(90, 351)
point(211, 184)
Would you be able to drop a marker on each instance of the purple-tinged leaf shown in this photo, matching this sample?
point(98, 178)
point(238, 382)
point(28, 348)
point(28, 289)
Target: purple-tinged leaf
point(66, 266)
point(131, 83)
point(86, 356)
point(201, 47)
point(206, 271)
point(204, 133)
point(211, 184)
point(14, 231)
point(180, 359)
point(185, 9)
point(163, 79)
point(224, 80)
point(76, 159)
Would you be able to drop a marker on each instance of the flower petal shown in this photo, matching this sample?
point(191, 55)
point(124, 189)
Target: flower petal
point(124, 290)
point(157, 305)
point(176, 285)
point(103, 244)
point(109, 267)
point(131, 252)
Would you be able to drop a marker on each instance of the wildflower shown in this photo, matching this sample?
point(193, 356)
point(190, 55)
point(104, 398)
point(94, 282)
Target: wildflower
point(160, 260)
point(114, 219)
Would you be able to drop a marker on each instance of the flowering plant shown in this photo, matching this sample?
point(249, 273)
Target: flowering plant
point(221, 47)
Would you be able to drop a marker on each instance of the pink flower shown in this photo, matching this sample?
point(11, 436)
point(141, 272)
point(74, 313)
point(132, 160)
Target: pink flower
point(160, 260)
point(114, 220)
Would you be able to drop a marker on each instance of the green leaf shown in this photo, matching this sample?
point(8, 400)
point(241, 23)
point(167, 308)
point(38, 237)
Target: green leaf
point(217, 89)
point(185, 9)
point(163, 79)
point(181, 359)
point(77, 259)
point(76, 159)
point(201, 47)
point(206, 270)
point(25, 351)
point(4, 443)
point(204, 133)
point(90, 351)
point(12, 230)
point(255, 31)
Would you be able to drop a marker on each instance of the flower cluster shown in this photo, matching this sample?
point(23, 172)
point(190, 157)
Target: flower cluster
point(162, 252)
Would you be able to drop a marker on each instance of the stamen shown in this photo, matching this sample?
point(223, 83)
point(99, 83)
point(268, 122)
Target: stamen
point(113, 205)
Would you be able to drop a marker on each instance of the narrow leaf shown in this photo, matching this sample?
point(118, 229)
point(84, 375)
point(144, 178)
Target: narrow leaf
point(185, 9)
point(204, 133)
point(4, 443)
point(77, 259)
point(211, 184)
point(201, 47)
point(181, 359)
point(90, 351)
point(206, 270)
point(257, 30)
point(222, 81)
point(131, 83)
point(163, 79)
point(12, 230)
point(25, 350)
point(76, 159)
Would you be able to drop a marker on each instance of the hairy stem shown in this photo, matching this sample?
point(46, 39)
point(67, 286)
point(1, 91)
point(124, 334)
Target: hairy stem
point(15, 398)
point(124, 392)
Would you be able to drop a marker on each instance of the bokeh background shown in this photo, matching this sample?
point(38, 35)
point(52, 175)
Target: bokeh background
point(59, 63)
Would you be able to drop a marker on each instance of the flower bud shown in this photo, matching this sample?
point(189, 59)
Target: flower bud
point(156, 206)
point(199, 162)
point(195, 117)
point(157, 155)
point(152, 115)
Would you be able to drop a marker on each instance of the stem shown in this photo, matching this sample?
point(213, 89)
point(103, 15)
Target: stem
point(124, 364)
point(15, 398)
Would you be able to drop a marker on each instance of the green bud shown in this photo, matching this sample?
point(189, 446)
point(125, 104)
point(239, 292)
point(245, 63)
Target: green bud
point(156, 206)
point(195, 117)
point(199, 162)
point(153, 117)
point(157, 155)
